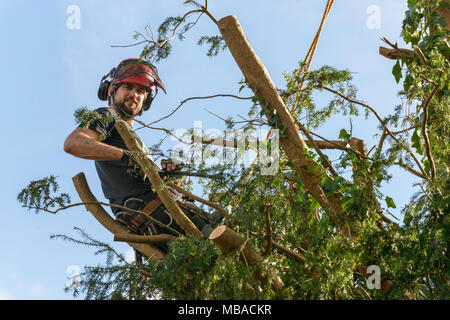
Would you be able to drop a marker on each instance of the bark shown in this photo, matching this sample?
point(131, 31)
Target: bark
point(106, 220)
point(229, 241)
point(396, 54)
point(135, 238)
point(148, 166)
point(260, 82)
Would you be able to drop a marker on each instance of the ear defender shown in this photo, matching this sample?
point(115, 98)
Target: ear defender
point(104, 85)
point(148, 101)
point(103, 90)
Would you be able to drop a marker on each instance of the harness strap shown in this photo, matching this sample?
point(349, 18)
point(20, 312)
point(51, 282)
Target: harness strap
point(152, 206)
point(138, 220)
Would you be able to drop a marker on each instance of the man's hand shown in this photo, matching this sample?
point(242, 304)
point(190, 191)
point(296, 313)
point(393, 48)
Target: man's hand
point(168, 166)
point(134, 168)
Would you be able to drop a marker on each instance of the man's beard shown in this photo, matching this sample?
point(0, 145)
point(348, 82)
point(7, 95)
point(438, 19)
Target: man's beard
point(124, 112)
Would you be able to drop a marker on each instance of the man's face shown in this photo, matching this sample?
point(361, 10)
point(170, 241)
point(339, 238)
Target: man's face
point(130, 96)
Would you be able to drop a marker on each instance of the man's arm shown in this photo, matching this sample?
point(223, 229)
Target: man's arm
point(83, 143)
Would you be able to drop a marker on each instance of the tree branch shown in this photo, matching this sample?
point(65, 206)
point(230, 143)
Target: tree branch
point(106, 220)
point(425, 133)
point(208, 203)
point(268, 231)
point(296, 256)
point(380, 143)
point(310, 54)
point(395, 53)
point(382, 124)
point(411, 170)
point(101, 203)
point(421, 55)
point(337, 144)
point(161, 129)
point(135, 238)
point(197, 98)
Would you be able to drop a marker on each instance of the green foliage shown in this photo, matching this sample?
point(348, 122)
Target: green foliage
point(315, 80)
point(39, 195)
point(161, 47)
point(85, 117)
point(194, 269)
point(397, 71)
point(390, 203)
point(216, 44)
point(197, 269)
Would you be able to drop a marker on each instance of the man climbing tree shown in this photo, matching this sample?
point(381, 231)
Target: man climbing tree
point(133, 86)
point(324, 231)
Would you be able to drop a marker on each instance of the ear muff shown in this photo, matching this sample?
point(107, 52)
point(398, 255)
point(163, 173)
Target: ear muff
point(148, 101)
point(104, 85)
point(103, 90)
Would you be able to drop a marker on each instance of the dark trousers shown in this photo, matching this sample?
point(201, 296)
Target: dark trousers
point(161, 214)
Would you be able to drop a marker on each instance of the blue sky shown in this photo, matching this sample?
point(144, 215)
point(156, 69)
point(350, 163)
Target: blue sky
point(48, 70)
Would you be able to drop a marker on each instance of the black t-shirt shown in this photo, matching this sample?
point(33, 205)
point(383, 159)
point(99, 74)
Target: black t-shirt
point(117, 183)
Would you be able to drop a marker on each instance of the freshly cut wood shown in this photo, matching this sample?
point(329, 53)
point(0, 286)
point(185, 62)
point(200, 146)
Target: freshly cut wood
point(229, 241)
point(106, 220)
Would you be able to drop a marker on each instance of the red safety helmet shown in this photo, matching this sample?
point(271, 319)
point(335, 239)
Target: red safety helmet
point(133, 71)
